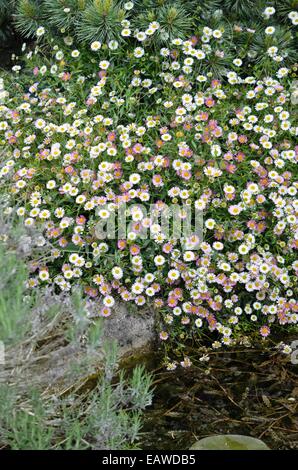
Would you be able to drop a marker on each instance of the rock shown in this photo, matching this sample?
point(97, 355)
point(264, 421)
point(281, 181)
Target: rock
point(51, 363)
point(131, 330)
point(229, 442)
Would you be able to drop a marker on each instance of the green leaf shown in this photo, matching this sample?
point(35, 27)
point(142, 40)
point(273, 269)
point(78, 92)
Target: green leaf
point(229, 442)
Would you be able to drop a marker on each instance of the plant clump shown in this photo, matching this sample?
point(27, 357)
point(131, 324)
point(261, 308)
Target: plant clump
point(133, 125)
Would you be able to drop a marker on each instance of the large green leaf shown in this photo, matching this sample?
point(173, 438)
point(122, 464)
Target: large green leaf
point(229, 442)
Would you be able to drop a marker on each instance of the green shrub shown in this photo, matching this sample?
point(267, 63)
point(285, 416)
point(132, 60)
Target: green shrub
point(104, 20)
point(100, 21)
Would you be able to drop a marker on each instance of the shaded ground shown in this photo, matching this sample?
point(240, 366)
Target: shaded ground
point(253, 393)
point(13, 46)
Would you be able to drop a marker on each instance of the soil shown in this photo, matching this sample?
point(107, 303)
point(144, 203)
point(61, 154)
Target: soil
point(253, 393)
